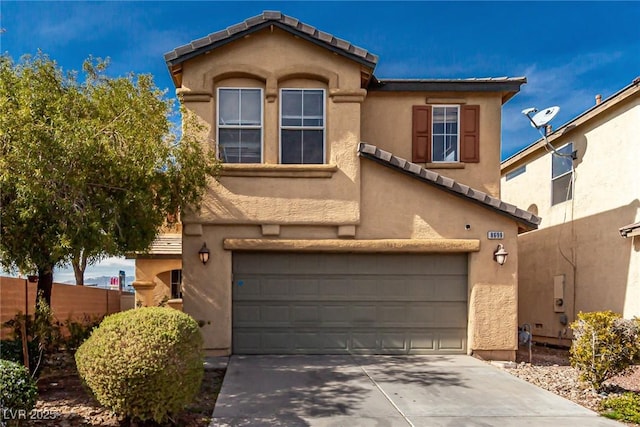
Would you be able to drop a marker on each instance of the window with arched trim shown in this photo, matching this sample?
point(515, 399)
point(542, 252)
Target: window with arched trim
point(240, 125)
point(302, 126)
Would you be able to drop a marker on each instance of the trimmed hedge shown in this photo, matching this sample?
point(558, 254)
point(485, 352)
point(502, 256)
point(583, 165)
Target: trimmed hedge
point(18, 390)
point(145, 363)
point(604, 345)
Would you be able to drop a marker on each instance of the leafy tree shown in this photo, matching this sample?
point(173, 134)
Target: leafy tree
point(90, 167)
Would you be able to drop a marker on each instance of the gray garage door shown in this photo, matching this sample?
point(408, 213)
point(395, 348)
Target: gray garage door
point(287, 303)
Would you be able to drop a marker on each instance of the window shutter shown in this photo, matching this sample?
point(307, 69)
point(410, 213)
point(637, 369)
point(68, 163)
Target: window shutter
point(421, 152)
point(470, 133)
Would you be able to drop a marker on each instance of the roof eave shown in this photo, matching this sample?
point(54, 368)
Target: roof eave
point(174, 58)
point(509, 87)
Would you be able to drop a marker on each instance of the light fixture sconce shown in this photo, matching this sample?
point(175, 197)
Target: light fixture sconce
point(500, 255)
point(203, 253)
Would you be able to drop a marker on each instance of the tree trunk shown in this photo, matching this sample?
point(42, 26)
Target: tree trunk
point(45, 282)
point(79, 263)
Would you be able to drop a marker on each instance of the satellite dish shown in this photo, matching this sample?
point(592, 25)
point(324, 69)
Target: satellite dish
point(542, 117)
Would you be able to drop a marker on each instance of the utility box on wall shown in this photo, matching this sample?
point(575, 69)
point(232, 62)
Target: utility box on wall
point(558, 294)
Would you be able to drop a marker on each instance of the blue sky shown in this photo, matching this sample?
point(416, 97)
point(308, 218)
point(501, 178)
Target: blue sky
point(569, 51)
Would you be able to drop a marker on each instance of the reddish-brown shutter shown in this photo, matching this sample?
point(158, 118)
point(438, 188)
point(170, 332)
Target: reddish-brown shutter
point(470, 133)
point(421, 134)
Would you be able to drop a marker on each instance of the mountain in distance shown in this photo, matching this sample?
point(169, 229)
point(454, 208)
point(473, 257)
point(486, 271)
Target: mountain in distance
point(102, 281)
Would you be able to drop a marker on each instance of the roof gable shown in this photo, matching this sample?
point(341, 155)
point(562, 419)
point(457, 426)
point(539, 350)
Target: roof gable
point(525, 219)
point(264, 20)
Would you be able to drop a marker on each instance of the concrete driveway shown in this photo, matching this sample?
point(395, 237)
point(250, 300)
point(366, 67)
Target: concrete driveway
point(386, 391)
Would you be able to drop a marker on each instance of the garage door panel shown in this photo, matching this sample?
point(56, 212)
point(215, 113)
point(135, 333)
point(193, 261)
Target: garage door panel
point(364, 314)
point(361, 340)
point(305, 314)
point(451, 343)
point(349, 303)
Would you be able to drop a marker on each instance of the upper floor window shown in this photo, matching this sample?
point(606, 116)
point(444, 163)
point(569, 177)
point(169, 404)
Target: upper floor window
point(562, 174)
point(240, 125)
point(445, 143)
point(446, 134)
point(516, 172)
point(302, 118)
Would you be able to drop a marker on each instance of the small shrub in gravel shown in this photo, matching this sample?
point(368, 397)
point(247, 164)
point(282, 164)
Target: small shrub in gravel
point(604, 345)
point(623, 407)
point(144, 364)
point(18, 390)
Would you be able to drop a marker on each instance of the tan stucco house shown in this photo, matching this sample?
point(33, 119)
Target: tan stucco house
point(158, 270)
point(352, 214)
point(586, 254)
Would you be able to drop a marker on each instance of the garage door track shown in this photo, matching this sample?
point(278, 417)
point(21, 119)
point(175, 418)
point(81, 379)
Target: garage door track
point(386, 391)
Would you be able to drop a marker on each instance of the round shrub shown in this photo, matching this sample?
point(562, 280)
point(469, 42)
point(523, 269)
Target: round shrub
point(145, 363)
point(17, 389)
point(604, 345)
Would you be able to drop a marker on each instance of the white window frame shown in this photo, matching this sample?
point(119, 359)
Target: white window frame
point(219, 126)
point(323, 128)
point(570, 171)
point(433, 111)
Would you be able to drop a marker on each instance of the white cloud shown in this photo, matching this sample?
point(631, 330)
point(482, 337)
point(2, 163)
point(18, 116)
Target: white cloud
point(571, 85)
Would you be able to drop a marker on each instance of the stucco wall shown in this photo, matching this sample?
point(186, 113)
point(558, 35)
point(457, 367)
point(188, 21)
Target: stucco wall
point(579, 238)
point(416, 212)
point(158, 271)
point(275, 60)
point(387, 123)
point(350, 198)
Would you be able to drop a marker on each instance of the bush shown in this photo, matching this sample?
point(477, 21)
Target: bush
point(625, 407)
point(145, 363)
point(604, 345)
point(17, 389)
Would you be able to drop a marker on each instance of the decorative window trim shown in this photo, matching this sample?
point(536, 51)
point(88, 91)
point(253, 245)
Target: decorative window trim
point(323, 127)
point(444, 134)
point(278, 171)
point(468, 135)
point(219, 126)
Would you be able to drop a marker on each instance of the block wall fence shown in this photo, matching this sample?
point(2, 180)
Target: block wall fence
point(67, 301)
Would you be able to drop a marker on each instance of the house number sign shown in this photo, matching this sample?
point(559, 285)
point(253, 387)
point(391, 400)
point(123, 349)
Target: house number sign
point(495, 235)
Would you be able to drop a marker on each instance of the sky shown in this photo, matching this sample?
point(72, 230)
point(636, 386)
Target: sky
point(568, 51)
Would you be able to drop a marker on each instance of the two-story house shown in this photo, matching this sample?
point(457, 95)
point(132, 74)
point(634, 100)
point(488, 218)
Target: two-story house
point(352, 214)
point(586, 254)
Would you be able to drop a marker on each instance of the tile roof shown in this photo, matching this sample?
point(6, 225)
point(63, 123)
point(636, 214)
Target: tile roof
point(164, 246)
point(509, 86)
point(449, 185)
point(287, 23)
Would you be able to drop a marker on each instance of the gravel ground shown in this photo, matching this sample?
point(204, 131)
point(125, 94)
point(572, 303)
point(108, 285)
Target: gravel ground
point(64, 402)
point(550, 369)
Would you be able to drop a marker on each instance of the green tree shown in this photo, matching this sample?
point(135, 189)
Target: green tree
point(90, 167)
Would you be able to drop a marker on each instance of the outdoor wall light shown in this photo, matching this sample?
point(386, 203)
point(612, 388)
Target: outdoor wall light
point(500, 255)
point(203, 253)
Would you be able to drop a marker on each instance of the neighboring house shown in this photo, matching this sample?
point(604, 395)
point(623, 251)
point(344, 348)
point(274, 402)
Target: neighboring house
point(586, 254)
point(159, 269)
point(322, 237)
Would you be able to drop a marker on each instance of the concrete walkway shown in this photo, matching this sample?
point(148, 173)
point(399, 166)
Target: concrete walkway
point(386, 391)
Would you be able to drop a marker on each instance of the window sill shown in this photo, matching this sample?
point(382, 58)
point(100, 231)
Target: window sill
point(444, 165)
point(279, 171)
